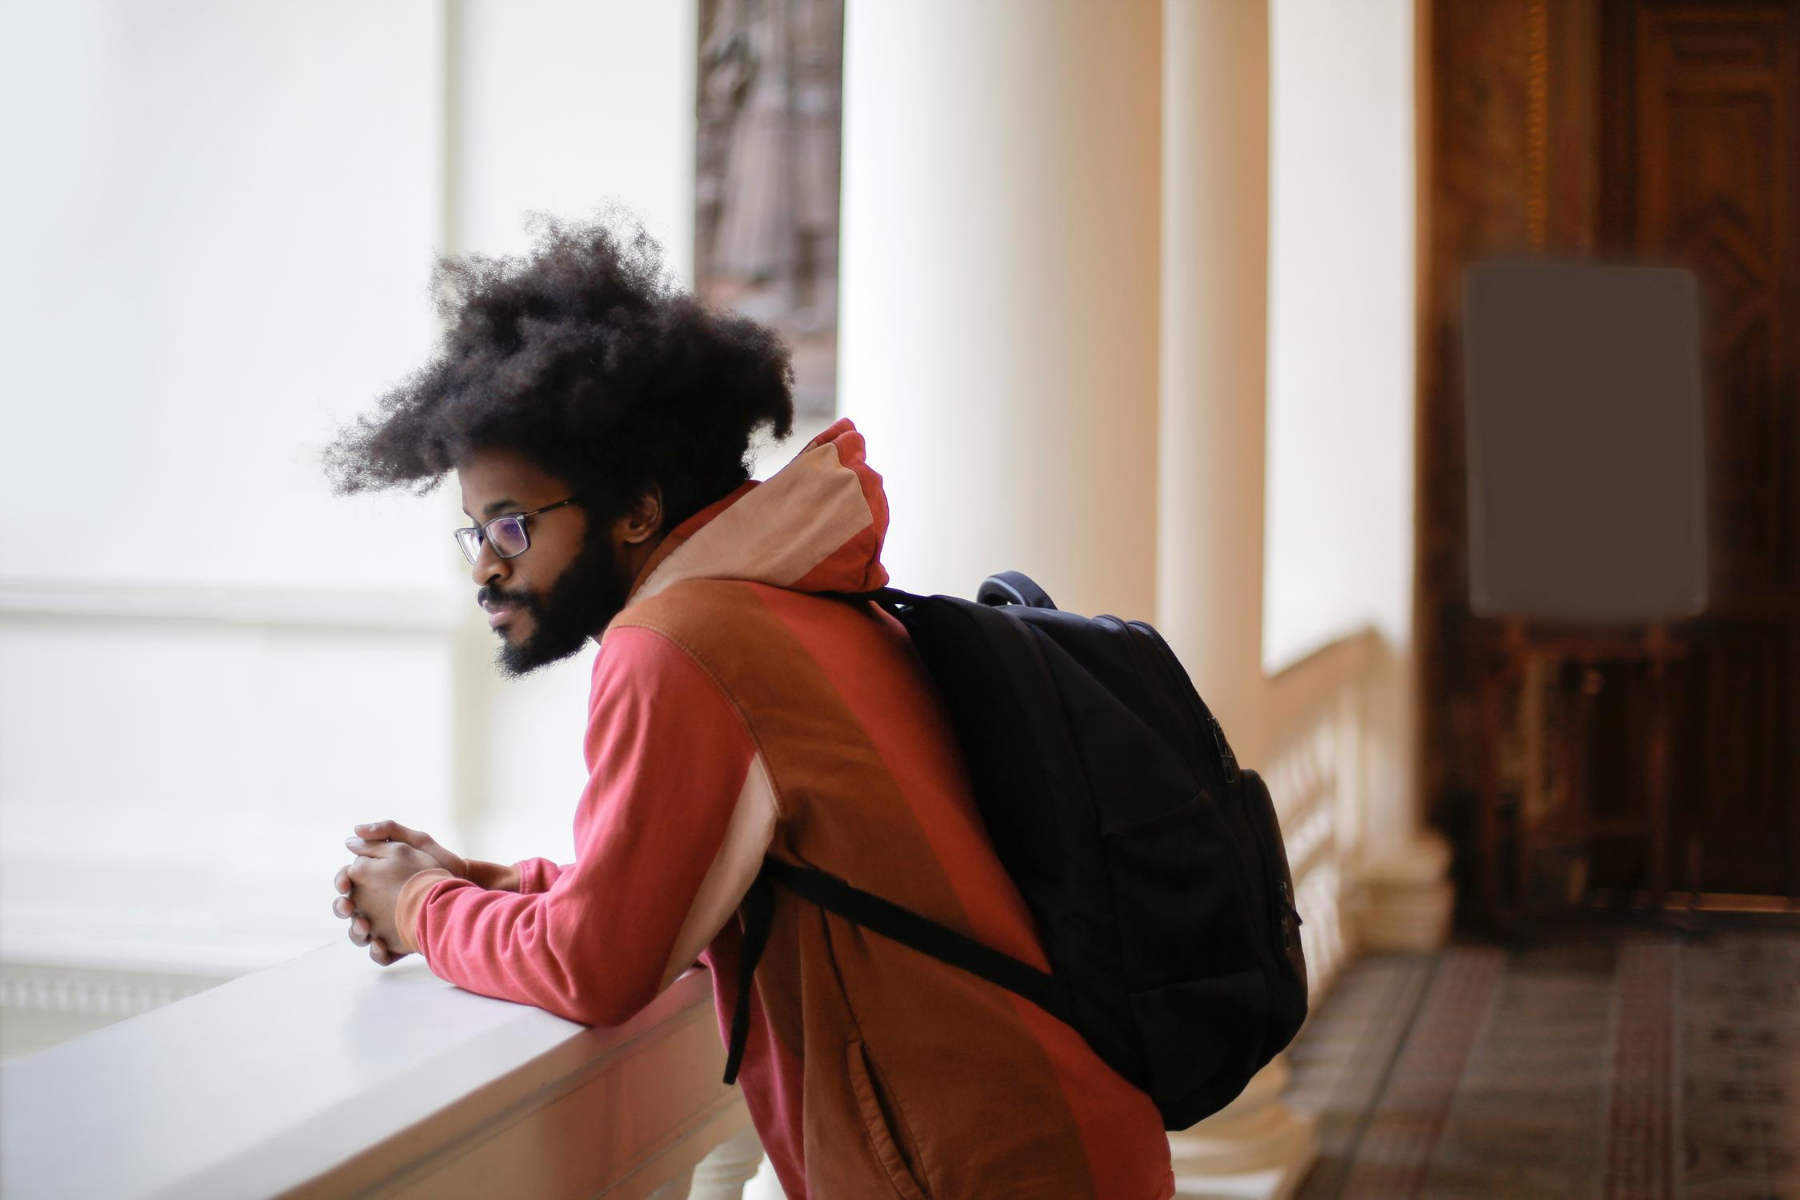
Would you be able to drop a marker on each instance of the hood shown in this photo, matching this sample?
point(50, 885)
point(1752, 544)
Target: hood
point(816, 525)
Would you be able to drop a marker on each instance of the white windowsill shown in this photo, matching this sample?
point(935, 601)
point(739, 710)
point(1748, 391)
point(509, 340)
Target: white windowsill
point(334, 1076)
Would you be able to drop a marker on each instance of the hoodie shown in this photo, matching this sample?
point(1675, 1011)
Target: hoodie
point(735, 713)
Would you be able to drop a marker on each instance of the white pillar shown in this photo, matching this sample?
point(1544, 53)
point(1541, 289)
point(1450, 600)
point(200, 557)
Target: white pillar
point(1215, 224)
point(1210, 541)
point(1344, 224)
point(998, 335)
point(722, 1174)
point(1253, 1148)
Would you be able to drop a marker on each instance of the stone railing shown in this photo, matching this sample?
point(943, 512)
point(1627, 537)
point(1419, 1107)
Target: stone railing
point(1318, 718)
point(328, 1077)
point(1322, 735)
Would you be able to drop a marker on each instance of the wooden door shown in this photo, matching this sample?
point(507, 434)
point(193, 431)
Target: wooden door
point(1632, 130)
point(1701, 142)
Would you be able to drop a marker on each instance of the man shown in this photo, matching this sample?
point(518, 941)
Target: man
point(598, 423)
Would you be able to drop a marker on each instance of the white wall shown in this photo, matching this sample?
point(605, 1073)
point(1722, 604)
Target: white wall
point(226, 216)
point(220, 218)
point(209, 665)
point(1340, 415)
point(557, 106)
point(564, 106)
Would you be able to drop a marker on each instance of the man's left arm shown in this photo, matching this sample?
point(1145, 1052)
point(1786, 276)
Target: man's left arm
point(670, 831)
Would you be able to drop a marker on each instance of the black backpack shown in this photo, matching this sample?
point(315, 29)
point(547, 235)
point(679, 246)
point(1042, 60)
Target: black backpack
point(1153, 865)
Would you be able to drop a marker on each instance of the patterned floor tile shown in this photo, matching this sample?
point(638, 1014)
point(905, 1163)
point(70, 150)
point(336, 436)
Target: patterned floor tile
point(1646, 1066)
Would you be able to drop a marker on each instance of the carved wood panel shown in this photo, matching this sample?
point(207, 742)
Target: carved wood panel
point(1665, 131)
point(1707, 169)
point(1708, 185)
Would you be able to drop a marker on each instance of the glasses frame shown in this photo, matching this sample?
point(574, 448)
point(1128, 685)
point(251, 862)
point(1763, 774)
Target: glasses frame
point(481, 537)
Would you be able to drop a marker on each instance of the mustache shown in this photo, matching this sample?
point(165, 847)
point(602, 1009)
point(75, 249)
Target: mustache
point(500, 596)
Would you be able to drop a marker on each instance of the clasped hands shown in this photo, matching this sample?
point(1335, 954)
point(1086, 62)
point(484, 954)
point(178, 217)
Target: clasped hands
point(387, 855)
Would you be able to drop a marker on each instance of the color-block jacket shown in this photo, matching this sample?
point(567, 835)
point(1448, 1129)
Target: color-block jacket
point(733, 714)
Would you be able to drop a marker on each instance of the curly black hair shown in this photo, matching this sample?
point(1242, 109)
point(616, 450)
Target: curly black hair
point(586, 359)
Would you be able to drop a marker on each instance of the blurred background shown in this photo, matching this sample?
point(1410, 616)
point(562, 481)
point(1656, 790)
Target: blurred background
point(1176, 306)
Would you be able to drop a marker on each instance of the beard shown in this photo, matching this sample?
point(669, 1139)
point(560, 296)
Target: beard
point(585, 597)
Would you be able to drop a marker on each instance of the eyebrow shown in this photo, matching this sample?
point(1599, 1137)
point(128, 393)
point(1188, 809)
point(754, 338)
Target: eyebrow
point(495, 507)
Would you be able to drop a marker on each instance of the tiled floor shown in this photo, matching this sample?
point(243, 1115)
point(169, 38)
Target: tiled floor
point(1630, 1065)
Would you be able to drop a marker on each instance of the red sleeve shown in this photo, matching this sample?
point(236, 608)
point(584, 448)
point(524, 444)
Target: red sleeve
point(537, 874)
point(530, 875)
point(667, 758)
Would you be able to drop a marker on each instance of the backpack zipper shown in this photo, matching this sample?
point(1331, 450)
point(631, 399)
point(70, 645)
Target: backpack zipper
point(1282, 894)
point(1253, 864)
point(1184, 690)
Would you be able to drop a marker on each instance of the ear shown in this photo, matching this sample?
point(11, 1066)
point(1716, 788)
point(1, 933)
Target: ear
point(642, 520)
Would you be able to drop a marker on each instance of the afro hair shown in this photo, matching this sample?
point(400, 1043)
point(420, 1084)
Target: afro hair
point(583, 357)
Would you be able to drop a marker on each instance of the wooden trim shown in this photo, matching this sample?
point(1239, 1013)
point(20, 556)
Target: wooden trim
point(1537, 126)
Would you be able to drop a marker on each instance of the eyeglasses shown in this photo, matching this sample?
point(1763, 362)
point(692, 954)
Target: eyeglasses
point(506, 534)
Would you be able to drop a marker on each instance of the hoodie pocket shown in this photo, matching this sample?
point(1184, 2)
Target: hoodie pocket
point(880, 1114)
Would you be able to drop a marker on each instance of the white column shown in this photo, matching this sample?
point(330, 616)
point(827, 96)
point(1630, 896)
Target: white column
point(1253, 1149)
point(722, 1174)
point(1210, 539)
point(1214, 320)
point(998, 338)
point(1342, 309)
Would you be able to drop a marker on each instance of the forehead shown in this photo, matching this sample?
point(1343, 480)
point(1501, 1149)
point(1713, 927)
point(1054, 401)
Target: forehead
point(502, 475)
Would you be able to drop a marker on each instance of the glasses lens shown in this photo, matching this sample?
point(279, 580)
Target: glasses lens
point(470, 541)
point(507, 535)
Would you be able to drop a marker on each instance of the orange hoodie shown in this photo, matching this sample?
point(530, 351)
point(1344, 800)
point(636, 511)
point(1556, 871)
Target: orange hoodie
point(733, 715)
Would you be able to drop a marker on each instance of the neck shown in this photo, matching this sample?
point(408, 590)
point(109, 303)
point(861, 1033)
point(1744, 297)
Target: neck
point(630, 562)
point(633, 558)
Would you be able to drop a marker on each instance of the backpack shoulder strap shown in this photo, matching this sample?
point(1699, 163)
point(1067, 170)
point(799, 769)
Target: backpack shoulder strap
point(891, 921)
point(759, 915)
point(928, 937)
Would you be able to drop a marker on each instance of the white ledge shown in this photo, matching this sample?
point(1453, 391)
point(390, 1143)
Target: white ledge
point(329, 1076)
point(419, 611)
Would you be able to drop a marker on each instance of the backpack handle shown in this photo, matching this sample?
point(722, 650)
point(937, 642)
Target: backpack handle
point(1013, 587)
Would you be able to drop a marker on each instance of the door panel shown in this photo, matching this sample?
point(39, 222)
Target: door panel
point(1712, 182)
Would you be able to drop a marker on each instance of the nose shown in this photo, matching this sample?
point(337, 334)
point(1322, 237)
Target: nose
point(489, 567)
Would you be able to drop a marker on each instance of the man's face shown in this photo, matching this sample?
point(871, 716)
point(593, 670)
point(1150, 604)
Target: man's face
point(563, 589)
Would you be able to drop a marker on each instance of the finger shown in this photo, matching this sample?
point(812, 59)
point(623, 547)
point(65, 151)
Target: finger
point(379, 831)
point(381, 954)
point(342, 907)
point(393, 831)
point(361, 930)
point(418, 839)
point(342, 881)
point(369, 849)
point(357, 939)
